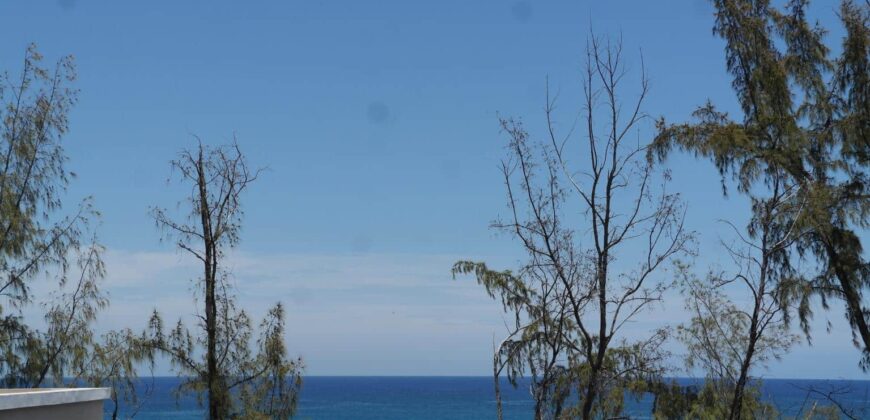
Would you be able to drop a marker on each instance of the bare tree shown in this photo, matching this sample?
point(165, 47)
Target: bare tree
point(218, 177)
point(569, 301)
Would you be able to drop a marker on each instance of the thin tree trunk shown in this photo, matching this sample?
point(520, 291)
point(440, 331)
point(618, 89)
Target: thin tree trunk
point(590, 394)
point(740, 386)
point(215, 405)
point(595, 365)
point(497, 385)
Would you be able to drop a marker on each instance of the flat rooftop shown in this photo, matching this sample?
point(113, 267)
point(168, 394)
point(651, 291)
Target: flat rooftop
point(11, 399)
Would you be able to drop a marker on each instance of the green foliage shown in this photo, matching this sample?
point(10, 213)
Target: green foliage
point(114, 362)
point(34, 112)
point(259, 384)
point(709, 402)
point(804, 130)
point(719, 333)
point(276, 390)
point(36, 239)
point(559, 388)
point(216, 359)
point(39, 243)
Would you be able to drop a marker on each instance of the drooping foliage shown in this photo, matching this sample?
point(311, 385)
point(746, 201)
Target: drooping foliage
point(45, 249)
point(37, 240)
point(709, 400)
point(803, 128)
point(217, 359)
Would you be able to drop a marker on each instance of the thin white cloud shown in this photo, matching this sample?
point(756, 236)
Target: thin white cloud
point(376, 313)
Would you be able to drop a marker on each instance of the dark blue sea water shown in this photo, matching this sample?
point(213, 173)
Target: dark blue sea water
point(388, 398)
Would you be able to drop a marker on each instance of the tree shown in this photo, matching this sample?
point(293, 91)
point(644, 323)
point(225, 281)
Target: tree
point(235, 379)
point(803, 127)
point(728, 340)
point(569, 301)
point(36, 239)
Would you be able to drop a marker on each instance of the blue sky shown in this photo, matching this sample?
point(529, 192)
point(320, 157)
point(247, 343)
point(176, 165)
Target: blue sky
point(378, 123)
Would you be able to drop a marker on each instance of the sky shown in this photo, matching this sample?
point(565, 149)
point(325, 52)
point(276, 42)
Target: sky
point(378, 125)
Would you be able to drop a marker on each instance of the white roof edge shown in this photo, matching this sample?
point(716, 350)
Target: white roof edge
point(51, 396)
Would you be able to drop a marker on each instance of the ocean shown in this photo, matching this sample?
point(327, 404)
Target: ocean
point(388, 398)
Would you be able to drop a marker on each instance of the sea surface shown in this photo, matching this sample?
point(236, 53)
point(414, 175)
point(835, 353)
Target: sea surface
point(389, 397)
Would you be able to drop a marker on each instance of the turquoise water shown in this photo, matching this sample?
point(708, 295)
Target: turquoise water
point(388, 398)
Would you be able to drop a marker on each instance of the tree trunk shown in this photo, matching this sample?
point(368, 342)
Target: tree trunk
point(735, 412)
point(740, 386)
point(590, 394)
point(216, 408)
point(595, 365)
point(497, 385)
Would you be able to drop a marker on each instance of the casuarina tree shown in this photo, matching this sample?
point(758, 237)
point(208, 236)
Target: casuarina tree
point(217, 358)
